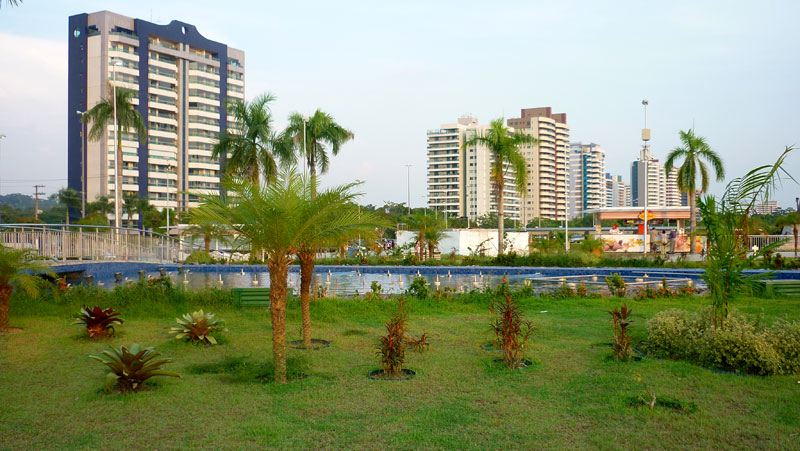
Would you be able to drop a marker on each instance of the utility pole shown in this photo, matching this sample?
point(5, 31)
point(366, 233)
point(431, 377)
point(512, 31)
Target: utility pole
point(645, 139)
point(408, 170)
point(36, 200)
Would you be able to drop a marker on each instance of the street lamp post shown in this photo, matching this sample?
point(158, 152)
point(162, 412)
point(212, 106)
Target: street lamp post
point(359, 219)
point(83, 163)
point(2, 136)
point(408, 167)
point(645, 138)
point(305, 156)
point(117, 163)
point(566, 201)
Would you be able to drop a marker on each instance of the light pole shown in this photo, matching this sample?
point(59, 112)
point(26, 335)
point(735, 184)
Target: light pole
point(645, 138)
point(83, 163)
point(566, 197)
point(117, 156)
point(305, 156)
point(359, 219)
point(408, 167)
point(2, 136)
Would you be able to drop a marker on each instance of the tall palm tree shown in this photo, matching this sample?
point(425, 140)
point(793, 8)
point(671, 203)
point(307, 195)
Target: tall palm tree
point(694, 149)
point(506, 160)
point(428, 229)
point(70, 199)
point(129, 204)
point(254, 146)
point(102, 205)
point(321, 131)
point(16, 267)
point(128, 120)
point(276, 217)
point(201, 225)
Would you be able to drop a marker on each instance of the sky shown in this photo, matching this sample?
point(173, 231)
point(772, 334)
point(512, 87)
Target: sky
point(389, 71)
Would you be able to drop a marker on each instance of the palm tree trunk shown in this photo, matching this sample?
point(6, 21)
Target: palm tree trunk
point(5, 297)
point(207, 242)
point(794, 232)
point(421, 248)
point(312, 171)
point(67, 214)
point(118, 195)
point(693, 212)
point(306, 257)
point(500, 216)
point(278, 272)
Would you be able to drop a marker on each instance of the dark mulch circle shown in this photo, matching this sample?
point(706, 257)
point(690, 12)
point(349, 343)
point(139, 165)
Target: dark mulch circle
point(315, 344)
point(673, 405)
point(525, 363)
point(489, 346)
point(379, 375)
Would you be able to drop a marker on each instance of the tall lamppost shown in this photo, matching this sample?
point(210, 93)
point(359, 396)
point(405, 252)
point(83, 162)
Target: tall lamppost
point(408, 167)
point(645, 139)
point(2, 136)
point(83, 163)
point(117, 164)
point(359, 218)
point(566, 201)
point(305, 156)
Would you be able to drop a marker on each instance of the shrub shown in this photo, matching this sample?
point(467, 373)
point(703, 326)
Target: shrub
point(511, 331)
point(417, 344)
point(392, 350)
point(616, 285)
point(200, 258)
point(131, 367)
point(198, 327)
point(741, 345)
point(99, 323)
point(418, 288)
point(620, 322)
point(375, 291)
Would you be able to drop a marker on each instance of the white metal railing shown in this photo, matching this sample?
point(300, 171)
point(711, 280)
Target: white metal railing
point(80, 242)
point(764, 240)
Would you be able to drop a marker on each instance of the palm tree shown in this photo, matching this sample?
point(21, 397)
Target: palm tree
point(11, 2)
point(130, 202)
point(70, 198)
point(254, 146)
point(506, 157)
point(790, 219)
point(202, 226)
point(321, 131)
point(276, 217)
point(428, 229)
point(16, 267)
point(128, 120)
point(352, 221)
point(694, 149)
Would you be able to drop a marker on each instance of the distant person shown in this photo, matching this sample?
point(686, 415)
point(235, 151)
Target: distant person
point(615, 230)
point(672, 237)
point(662, 238)
point(653, 239)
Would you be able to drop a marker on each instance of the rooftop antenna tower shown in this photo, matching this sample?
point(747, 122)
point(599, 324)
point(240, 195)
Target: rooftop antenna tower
point(645, 133)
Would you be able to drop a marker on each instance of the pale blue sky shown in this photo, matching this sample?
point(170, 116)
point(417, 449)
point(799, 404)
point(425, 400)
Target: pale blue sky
point(391, 71)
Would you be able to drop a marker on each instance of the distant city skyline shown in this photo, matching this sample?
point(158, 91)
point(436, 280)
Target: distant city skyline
point(390, 71)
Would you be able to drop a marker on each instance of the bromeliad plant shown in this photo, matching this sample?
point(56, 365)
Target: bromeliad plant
point(131, 367)
point(511, 331)
point(392, 352)
point(197, 327)
point(99, 323)
point(620, 322)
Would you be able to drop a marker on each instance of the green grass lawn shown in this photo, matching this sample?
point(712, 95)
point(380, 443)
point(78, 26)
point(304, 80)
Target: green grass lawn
point(574, 396)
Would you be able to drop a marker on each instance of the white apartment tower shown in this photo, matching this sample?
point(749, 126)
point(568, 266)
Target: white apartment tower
point(587, 184)
point(183, 81)
point(618, 193)
point(547, 162)
point(458, 179)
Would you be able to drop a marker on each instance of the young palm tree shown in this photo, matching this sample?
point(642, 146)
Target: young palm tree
point(202, 226)
point(428, 228)
point(128, 120)
point(506, 156)
point(694, 149)
point(15, 269)
point(70, 198)
point(790, 219)
point(129, 203)
point(321, 131)
point(276, 217)
point(254, 146)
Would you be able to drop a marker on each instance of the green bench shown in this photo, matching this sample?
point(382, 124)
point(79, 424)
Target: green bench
point(252, 296)
point(784, 287)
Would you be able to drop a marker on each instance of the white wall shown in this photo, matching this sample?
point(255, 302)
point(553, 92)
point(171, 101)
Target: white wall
point(461, 240)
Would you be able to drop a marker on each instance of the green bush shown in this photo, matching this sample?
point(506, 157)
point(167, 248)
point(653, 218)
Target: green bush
point(199, 257)
point(418, 288)
point(741, 346)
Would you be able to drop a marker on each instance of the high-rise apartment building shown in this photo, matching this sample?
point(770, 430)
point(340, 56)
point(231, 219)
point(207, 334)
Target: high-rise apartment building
point(183, 82)
point(662, 188)
point(618, 193)
point(458, 178)
point(547, 161)
point(587, 184)
point(767, 208)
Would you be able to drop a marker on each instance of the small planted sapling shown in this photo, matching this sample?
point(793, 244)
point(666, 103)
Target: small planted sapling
point(512, 332)
point(620, 322)
point(392, 352)
point(98, 322)
point(616, 285)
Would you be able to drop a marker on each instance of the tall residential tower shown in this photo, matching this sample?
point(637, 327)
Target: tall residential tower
point(183, 82)
point(587, 184)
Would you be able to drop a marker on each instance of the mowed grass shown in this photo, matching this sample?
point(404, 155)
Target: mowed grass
point(574, 396)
